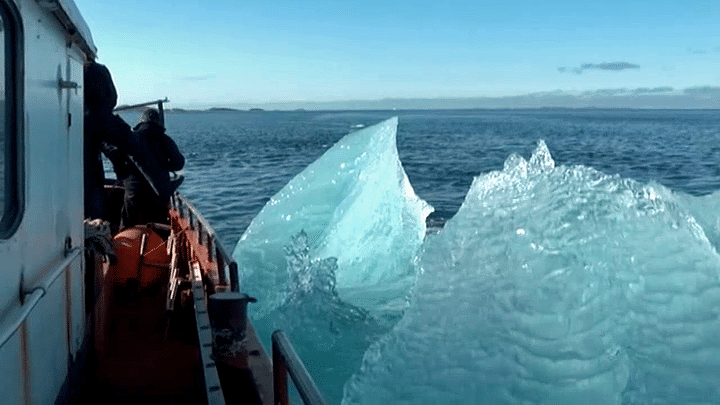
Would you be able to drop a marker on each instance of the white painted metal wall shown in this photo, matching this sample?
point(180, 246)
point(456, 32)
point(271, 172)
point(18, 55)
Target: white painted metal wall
point(34, 362)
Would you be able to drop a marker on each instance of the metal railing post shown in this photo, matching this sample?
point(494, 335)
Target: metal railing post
point(234, 276)
point(280, 391)
point(285, 361)
point(206, 233)
point(161, 111)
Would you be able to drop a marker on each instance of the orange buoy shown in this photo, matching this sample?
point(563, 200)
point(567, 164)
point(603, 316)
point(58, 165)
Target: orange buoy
point(142, 255)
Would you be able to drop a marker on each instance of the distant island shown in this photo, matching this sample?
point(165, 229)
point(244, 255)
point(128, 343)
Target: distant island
point(223, 109)
point(212, 109)
point(697, 97)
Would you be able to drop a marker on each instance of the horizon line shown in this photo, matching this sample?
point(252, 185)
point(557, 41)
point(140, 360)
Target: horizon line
point(695, 97)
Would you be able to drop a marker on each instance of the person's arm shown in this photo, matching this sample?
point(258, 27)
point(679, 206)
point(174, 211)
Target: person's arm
point(120, 135)
point(117, 158)
point(175, 159)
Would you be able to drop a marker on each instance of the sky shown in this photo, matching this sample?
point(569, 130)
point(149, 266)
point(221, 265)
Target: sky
point(298, 53)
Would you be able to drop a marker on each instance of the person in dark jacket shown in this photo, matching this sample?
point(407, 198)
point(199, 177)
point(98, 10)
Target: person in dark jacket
point(148, 186)
point(103, 132)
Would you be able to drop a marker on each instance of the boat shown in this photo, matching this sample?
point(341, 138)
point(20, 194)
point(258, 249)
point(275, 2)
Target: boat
point(158, 317)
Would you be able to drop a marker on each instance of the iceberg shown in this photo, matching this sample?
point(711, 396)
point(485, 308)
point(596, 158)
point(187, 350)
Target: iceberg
point(330, 257)
point(355, 203)
point(557, 285)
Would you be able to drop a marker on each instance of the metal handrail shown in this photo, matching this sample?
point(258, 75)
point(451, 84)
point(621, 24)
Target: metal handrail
point(32, 297)
point(285, 361)
point(180, 203)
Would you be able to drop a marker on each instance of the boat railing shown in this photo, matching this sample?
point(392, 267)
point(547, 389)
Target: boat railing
point(284, 358)
point(226, 265)
point(30, 298)
point(285, 361)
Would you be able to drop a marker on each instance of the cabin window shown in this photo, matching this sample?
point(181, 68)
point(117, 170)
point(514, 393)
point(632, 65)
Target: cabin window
point(11, 151)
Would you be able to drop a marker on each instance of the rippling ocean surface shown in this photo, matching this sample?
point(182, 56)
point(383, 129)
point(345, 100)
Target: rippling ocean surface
point(552, 236)
point(237, 160)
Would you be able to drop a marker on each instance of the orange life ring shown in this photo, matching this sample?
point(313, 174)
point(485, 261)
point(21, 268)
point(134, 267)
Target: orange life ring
point(142, 255)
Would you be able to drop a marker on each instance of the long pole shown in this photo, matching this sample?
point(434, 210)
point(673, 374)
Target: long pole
point(130, 107)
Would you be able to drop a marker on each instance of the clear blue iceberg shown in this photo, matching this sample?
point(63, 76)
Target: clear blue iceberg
point(330, 257)
point(355, 203)
point(558, 285)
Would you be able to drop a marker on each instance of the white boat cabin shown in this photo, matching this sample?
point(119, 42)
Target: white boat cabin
point(43, 320)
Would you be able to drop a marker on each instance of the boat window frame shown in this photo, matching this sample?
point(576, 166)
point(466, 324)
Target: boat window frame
point(14, 148)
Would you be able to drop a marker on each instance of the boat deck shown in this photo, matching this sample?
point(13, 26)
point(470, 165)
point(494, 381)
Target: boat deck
point(145, 352)
point(147, 355)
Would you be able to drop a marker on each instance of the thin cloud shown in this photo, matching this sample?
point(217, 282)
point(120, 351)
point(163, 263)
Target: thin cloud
point(654, 90)
point(198, 78)
point(577, 71)
point(612, 66)
point(604, 92)
point(697, 51)
point(702, 91)
point(619, 92)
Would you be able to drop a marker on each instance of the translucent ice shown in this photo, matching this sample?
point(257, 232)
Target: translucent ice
point(328, 334)
point(355, 204)
point(557, 285)
point(330, 256)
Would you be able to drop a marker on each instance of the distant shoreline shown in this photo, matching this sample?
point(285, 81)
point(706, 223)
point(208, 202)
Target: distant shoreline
point(260, 110)
point(662, 98)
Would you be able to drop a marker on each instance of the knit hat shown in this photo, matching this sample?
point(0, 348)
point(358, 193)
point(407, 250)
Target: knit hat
point(150, 115)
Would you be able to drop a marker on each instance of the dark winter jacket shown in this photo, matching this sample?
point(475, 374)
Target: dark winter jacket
point(156, 156)
point(104, 131)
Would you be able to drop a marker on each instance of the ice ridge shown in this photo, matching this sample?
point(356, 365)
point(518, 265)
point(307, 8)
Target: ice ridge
point(557, 285)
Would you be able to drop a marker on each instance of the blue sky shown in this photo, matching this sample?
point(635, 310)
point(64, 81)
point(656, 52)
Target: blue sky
point(230, 53)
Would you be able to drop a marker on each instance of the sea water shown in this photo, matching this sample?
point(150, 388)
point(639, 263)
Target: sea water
point(663, 160)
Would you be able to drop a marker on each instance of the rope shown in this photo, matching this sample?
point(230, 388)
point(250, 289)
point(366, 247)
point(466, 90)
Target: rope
point(173, 235)
point(98, 238)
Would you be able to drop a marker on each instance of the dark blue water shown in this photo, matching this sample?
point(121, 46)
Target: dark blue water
point(237, 160)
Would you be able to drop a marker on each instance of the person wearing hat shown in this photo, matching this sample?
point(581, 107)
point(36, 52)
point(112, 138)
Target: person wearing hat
point(104, 132)
point(148, 186)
